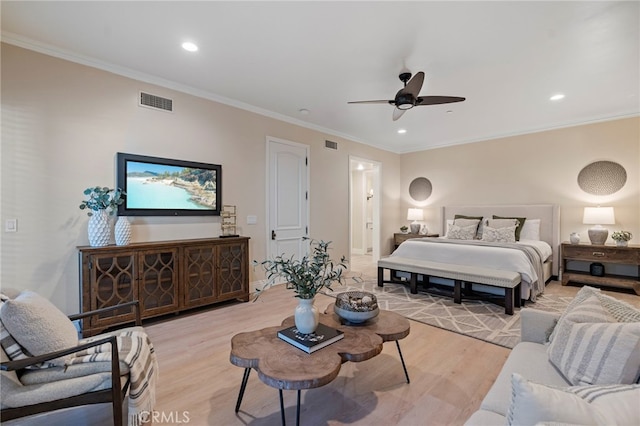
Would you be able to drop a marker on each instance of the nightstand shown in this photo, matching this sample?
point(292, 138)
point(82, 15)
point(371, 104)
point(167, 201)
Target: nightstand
point(399, 238)
point(605, 254)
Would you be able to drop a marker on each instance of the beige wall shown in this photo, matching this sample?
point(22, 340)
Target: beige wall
point(62, 124)
point(535, 168)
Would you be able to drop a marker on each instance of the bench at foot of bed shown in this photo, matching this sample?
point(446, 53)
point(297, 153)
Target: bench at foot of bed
point(460, 274)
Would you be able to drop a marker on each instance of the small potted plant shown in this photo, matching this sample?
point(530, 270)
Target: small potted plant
point(101, 203)
point(306, 277)
point(404, 229)
point(102, 198)
point(622, 238)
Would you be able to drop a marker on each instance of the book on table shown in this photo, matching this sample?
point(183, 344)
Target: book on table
point(323, 336)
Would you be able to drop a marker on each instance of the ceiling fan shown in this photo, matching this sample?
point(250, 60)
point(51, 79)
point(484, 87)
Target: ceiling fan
point(407, 97)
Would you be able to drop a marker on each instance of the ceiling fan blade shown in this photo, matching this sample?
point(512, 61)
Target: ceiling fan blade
point(414, 85)
point(371, 102)
point(435, 100)
point(397, 113)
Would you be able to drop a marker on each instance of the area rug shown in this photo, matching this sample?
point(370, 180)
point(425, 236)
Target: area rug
point(479, 319)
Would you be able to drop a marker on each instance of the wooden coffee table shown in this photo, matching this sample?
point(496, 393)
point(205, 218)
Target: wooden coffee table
point(283, 366)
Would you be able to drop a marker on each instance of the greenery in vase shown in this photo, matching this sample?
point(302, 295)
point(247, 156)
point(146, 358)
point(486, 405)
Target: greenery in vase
point(306, 276)
point(404, 228)
point(622, 236)
point(102, 198)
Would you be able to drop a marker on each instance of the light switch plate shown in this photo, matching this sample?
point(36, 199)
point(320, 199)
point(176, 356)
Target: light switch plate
point(252, 220)
point(11, 225)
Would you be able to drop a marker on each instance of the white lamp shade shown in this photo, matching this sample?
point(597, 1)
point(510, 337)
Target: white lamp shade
point(598, 216)
point(415, 214)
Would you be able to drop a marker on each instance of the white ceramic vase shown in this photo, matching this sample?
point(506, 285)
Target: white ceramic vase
point(622, 243)
point(122, 231)
point(574, 238)
point(99, 229)
point(306, 316)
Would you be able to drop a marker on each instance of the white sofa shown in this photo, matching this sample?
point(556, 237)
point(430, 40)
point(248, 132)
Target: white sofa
point(531, 390)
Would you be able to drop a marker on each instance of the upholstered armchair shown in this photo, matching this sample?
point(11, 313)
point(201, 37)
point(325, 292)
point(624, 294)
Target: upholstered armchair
point(71, 379)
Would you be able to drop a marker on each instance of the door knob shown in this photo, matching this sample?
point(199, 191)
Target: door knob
point(273, 234)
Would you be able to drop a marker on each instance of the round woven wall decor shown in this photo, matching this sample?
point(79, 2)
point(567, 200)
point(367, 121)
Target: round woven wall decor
point(602, 178)
point(420, 189)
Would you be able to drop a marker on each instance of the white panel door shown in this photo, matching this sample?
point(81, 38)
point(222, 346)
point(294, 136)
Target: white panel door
point(288, 186)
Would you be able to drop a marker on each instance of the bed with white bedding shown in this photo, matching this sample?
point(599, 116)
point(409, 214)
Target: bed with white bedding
point(534, 256)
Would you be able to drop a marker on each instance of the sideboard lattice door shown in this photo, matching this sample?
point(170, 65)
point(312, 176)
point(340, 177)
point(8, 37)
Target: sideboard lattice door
point(113, 278)
point(158, 281)
point(199, 268)
point(231, 270)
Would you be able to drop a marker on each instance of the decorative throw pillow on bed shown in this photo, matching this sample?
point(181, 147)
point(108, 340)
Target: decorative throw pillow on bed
point(499, 235)
point(37, 325)
point(466, 222)
point(457, 232)
point(521, 221)
point(449, 223)
point(533, 403)
point(501, 223)
point(530, 230)
point(590, 347)
point(479, 223)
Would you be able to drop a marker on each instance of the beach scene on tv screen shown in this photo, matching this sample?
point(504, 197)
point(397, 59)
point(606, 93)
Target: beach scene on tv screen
point(159, 186)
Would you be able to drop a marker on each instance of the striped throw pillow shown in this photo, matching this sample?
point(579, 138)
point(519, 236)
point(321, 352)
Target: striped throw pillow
point(590, 348)
point(533, 403)
point(620, 311)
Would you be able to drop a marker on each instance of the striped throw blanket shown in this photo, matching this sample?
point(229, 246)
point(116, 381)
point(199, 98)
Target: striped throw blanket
point(136, 351)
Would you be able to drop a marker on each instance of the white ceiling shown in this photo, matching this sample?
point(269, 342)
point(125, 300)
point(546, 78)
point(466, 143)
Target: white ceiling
point(275, 58)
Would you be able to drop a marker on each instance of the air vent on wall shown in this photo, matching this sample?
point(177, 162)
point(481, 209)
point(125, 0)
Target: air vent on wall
point(330, 144)
point(156, 102)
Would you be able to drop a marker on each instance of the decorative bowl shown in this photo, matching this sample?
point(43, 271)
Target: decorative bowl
point(356, 306)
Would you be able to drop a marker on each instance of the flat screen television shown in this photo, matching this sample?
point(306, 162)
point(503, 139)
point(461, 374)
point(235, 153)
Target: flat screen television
point(165, 187)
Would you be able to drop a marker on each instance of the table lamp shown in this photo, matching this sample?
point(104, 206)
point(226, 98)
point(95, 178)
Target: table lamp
point(415, 215)
point(598, 216)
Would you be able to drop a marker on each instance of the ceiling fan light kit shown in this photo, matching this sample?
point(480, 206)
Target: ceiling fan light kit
point(407, 97)
point(404, 101)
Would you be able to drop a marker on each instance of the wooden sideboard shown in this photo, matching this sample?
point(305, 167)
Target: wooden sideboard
point(165, 276)
point(606, 254)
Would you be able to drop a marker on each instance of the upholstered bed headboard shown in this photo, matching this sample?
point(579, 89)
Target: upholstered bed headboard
point(549, 215)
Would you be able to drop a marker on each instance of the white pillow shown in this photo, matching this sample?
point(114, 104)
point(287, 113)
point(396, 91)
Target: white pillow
point(37, 325)
point(502, 223)
point(533, 403)
point(449, 223)
point(590, 348)
point(466, 222)
point(500, 235)
point(530, 230)
point(462, 232)
point(13, 350)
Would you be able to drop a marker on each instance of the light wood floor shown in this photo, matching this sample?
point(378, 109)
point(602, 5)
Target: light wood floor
point(450, 373)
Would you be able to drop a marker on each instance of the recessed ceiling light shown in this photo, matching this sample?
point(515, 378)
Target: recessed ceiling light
point(303, 111)
point(189, 47)
point(402, 131)
point(360, 166)
point(556, 97)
